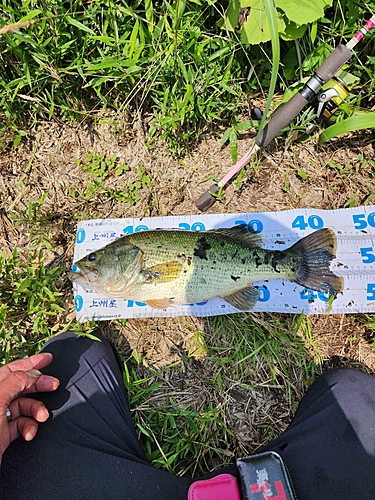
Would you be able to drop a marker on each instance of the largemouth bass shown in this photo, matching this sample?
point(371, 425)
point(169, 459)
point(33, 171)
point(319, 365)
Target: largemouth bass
point(163, 267)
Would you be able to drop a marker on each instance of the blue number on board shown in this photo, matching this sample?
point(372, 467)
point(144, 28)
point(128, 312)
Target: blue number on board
point(264, 293)
point(314, 222)
point(130, 303)
point(130, 229)
point(368, 256)
point(197, 226)
point(312, 295)
point(78, 302)
point(308, 294)
point(360, 221)
point(255, 226)
point(81, 235)
point(371, 291)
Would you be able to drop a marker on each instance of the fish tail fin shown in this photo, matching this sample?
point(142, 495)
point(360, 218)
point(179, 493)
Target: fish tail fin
point(315, 254)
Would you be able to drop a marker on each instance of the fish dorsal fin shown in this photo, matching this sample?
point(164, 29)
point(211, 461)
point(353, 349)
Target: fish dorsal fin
point(162, 273)
point(240, 233)
point(244, 299)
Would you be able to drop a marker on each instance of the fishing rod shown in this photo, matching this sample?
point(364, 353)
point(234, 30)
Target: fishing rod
point(285, 113)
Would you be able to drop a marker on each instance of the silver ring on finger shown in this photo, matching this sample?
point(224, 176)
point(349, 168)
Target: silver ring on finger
point(8, 414)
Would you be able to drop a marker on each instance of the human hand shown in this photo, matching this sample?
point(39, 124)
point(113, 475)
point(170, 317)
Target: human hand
point(22, 377)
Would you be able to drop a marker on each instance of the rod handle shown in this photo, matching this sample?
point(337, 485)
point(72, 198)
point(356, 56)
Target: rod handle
point(333, 62)
point(280, 118)
point(207, 199)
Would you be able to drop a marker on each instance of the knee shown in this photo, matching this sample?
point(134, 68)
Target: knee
point(347, 377)
point(68, 345)
point(353, 390)
point(71, 336)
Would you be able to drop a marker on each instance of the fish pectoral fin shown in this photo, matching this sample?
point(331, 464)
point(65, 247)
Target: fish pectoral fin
point(162, 273)
point(244, 299)
point(159, 303)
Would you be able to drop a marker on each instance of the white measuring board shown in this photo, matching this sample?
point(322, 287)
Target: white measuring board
point(355, 261)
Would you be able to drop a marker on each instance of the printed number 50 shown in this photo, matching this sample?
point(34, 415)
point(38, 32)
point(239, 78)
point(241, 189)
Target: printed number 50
point(371, 291)
point(368, 256)
point(361, 221)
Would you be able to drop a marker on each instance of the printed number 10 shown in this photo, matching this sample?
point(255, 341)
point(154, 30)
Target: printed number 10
point(314, 222)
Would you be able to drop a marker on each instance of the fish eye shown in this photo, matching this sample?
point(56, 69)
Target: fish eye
point(91, 257)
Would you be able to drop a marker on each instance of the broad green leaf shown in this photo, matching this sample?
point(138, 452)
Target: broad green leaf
point(292, 30)
point(303, 11)
point(358, 121)
point(256, 28)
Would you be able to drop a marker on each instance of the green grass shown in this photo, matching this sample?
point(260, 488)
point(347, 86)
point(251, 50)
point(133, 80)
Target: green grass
point(103, 168)
point(181, 438)
point(174, 60)
point(184, 429)
point(30, 303)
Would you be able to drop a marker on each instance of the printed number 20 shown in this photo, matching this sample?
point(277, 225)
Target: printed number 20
point(314, 222)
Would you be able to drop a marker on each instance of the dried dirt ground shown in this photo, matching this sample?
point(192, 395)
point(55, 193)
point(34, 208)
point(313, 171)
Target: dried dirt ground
point(46, 161)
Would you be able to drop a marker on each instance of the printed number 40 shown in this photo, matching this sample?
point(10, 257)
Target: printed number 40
point(314, 222)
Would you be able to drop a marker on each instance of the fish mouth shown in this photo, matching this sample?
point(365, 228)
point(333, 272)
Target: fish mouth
point(81, 276)
point(74, 276)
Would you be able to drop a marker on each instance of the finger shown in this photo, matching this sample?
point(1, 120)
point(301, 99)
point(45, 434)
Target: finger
point(29, 407)
point(43, 383)
point(23, 426)
point(15, 384)
point(37, 362)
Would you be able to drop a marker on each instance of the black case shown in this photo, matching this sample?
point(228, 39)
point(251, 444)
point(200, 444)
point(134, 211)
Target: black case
point(264, 476)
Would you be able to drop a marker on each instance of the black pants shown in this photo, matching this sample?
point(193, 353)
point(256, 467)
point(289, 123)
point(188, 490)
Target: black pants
point(89, 449)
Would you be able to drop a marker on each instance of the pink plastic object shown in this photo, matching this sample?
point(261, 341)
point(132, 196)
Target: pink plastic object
point(222, 487)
